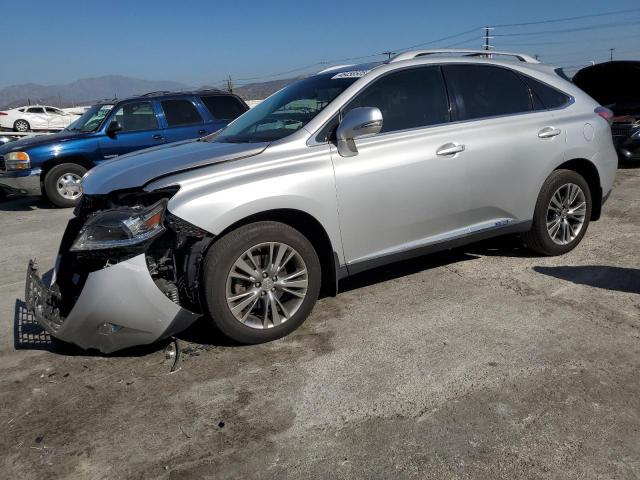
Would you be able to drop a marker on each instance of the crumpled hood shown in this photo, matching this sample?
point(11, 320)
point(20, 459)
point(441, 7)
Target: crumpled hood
point(26, 143)
point(139, 168)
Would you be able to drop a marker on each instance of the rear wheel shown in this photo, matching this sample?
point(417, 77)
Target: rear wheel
point(261, 282)
point(62, 184)
point(562, 214)
point(21, 126)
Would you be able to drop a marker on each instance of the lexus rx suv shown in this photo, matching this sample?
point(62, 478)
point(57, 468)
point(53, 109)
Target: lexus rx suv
point(343, 171)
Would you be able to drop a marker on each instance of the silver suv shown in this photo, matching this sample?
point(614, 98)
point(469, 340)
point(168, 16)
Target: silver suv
point(348, 169)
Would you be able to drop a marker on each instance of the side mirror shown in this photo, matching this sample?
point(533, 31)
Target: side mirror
point(113, 128)
point(357, 123)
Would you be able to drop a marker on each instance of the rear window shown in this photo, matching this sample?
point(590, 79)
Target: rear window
point(180, 112)
point(545, 96)
point(480, 91)
point(224, 107)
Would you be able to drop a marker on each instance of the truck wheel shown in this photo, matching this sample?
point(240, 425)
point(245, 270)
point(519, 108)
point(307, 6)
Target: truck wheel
point(562, 214)
point(21, 126)
point(261, 282)
point(62, 184)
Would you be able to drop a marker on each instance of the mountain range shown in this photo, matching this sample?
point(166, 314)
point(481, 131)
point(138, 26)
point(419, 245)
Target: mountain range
point(86, 91)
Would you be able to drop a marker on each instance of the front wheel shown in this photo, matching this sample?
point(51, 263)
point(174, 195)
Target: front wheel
point(62, 184)
point(561, 215)
point(21, 126)
point(261, 282)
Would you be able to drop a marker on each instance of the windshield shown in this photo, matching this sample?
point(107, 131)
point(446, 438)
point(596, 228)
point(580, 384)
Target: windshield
point(286, 111)
point(91, 119)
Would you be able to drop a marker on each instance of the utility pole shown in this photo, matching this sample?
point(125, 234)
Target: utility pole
point(388, 54)
point(229, 83)
point(487, 43)
point(611, 54)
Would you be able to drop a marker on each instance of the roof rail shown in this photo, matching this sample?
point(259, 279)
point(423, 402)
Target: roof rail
point(335, 67)
point(462, 52)
point(152, 94)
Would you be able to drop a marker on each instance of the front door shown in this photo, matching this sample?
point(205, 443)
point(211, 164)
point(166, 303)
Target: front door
point(402, 190)
point(37, 118)
point(140, 129)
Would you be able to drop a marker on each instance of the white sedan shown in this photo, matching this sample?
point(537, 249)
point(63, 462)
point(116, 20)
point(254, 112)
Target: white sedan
point(36, 117)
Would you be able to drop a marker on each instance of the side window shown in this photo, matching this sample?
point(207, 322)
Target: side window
point(479, 91)
point(545, 96)
point(35, 110)
point(53, 111)
point(136, 116)
point(180, 112)
point(223, 107)
point(415, 97)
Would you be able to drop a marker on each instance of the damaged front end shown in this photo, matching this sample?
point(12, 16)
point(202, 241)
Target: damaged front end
point(127, 273)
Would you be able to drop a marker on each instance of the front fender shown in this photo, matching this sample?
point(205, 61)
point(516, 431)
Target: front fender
point(216, 197)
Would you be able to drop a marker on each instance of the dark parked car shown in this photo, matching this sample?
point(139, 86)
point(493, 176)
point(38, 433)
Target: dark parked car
point(54, 164)
point(616, 85)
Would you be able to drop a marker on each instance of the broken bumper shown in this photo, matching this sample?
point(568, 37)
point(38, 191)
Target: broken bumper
point(119, 306)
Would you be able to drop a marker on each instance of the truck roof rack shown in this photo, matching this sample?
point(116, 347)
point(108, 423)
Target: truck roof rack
point(461, 52)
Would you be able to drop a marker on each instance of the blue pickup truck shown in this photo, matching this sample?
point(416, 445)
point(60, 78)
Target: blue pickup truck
point(54, 164)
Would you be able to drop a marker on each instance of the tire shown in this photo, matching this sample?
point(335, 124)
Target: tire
point(21, 126)
point(59, 180)
point(549, 240)
point(219, 286)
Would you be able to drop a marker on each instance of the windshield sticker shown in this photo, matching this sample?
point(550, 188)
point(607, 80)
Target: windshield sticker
point(351, 74)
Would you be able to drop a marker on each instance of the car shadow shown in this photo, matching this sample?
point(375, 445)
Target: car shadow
point(12, 201)
point(505, 246)
point(404, 268)
point(619, 279)
point(29, 335)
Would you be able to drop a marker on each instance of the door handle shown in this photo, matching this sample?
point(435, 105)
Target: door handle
point(157, 137)
point(549, 132)
point(449, 149)
point(202, 131)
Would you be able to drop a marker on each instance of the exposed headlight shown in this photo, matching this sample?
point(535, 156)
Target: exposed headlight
point(121, 227)
point(17, 161)
point(636, 135)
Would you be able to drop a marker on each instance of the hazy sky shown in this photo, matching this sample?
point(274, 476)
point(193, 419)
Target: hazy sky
point(201, 42)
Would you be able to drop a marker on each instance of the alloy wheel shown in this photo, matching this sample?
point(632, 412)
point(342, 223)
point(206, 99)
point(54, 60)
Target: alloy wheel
point(267, 285)
point(566, 213)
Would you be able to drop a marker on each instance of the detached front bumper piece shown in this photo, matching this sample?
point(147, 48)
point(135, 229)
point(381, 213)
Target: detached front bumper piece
point(119, 306)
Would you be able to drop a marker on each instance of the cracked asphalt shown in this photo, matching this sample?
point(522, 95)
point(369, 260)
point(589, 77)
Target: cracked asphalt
point(481, 362)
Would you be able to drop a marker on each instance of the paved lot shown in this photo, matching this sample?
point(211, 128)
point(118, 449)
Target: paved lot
point(484, 362)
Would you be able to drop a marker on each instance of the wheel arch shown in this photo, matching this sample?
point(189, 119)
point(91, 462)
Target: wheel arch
point(590, 173)
point(52, 162)
point(313, 230)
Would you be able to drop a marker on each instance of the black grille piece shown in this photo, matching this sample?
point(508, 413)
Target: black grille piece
point(621, 129)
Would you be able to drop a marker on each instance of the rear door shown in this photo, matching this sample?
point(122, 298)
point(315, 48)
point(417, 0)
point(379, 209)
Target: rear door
point(508, 144)
point(182, 119)
point(223, 109)
point(37, 118)
point(140, 129)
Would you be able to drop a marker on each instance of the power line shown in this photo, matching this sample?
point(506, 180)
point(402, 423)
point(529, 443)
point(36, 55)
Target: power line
point(568, 30)
point(567, 19)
